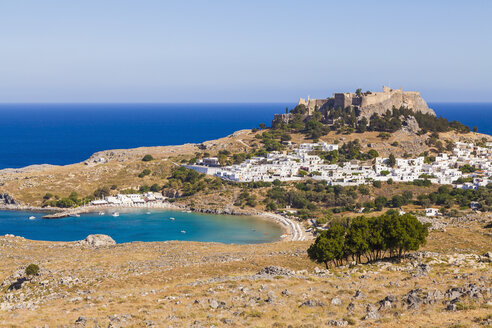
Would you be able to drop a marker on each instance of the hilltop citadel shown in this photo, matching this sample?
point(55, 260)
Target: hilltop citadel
point(365, 103)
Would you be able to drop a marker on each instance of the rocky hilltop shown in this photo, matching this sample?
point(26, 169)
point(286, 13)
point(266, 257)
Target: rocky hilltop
point(366, 103)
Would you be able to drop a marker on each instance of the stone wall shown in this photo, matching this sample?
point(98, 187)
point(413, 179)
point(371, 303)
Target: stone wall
point(311, 104)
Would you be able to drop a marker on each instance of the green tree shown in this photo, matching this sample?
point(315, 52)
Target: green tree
point(32, 270)
point(147, 158)
point(391, 160)
point(405, 233)
point(102, 192)
point(380, 202)
point(372, 153)
point(155, 187)
point(47, 196)
point(144, 173)
point(398, 201)
point(357, 238)
point(329, 246)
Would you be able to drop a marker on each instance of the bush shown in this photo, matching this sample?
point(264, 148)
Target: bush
point(376, 184)
point(144, 173)
point(155, 187)
point(147, 158)
point(32, 270)
point(102, 192)
point(363, 190)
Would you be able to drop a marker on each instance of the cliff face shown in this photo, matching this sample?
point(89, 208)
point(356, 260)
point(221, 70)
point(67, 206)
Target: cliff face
point(367, 103)
point(380, 102)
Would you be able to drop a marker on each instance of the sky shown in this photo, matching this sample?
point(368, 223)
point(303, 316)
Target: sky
point(242, 51)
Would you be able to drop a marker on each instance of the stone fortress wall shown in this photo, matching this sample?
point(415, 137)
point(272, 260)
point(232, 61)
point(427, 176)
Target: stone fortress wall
point(370, 103)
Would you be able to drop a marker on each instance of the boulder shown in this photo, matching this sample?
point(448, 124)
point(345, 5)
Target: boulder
point(411, 125)
point(275, 271)
point(338, 323)
point(359, 294)
point(336, 301)
point(98, 241)
point(412, 300)
point(422, 270)
point(313, 303)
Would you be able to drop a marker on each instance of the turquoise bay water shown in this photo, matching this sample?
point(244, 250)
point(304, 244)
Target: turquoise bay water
point(137, 225)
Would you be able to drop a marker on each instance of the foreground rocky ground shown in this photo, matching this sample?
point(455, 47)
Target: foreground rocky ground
point(186, 284)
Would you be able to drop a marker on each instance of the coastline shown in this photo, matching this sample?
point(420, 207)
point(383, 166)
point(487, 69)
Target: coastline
point(292, 229)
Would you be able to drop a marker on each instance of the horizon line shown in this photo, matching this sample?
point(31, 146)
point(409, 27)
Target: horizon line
point(196, 102)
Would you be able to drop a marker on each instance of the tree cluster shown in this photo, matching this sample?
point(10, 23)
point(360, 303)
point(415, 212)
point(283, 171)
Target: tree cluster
point(372, 238)
point(447, 197)
point(190, 182)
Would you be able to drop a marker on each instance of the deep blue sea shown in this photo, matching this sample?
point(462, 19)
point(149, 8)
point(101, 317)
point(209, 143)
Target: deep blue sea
point(138, 225)
point(70, 133)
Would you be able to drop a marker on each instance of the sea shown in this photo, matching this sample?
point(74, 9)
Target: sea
point(62, 134)
point(142, 225)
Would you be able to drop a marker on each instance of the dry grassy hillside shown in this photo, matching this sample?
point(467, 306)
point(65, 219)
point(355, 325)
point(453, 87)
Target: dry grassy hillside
point(186, 284)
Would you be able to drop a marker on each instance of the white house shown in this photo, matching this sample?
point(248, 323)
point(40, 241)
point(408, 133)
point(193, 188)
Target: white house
point(431, 211)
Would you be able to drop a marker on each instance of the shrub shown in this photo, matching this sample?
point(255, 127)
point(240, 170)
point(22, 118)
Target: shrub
point(144, 173)
point(363, 190)
point(155, 187)
point(32, 270)
point(147, 158)
point(102, 192)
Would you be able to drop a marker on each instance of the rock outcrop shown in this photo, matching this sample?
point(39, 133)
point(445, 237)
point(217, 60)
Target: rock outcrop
point(6, 199)
point(366, 103)
point(97, 241)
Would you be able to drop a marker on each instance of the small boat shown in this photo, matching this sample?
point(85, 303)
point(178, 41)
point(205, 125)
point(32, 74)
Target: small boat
point(188, 211)
point(32, 217)
point(182, 231)
point(115, 214)
point(147, 213)
point(101, 213)
point(77, 215)
point(171, 219)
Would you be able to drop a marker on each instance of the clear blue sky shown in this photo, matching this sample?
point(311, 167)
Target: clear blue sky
point(241, 51)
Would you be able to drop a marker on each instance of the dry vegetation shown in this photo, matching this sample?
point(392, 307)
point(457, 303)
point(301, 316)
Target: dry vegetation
point(187, 284)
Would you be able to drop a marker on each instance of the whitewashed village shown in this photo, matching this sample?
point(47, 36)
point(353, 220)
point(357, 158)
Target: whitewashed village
point(287, 167)
point(300, 163)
